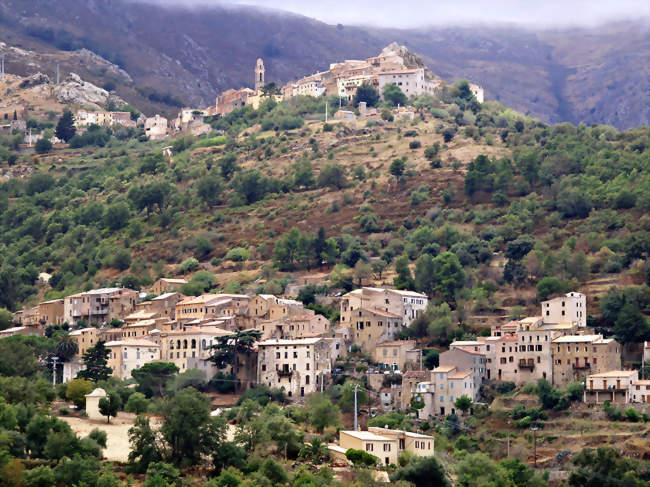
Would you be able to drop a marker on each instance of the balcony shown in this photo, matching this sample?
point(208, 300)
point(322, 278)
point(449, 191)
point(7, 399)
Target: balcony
point(285, 372)
point(586, 365)
point(526, 364)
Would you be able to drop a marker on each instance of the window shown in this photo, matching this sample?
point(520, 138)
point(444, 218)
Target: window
point(369, 447)
point(277, 355)
point(263, 367)
point(386, 447)
point(307, 366)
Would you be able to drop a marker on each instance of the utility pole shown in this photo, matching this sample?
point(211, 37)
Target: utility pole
point(54, 361)
point(356, 424)
point(2, 67)
point(57, 73)
point(534, 429)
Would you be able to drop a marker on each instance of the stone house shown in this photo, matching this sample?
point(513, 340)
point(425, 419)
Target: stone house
point(190, 348)
point(410, 380)
point(393, 354)
point(306, 325)
point(467, 359)
point(52, 312)
point(575, 356)
point(406, 304)
point(297, 366)
point(167, 285)
point(86, 338)
point(156, 127)
point(210, 306)
point(162, 306)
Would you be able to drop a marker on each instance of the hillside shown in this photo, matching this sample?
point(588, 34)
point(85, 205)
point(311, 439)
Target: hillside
point(592, 76)
point(471, 190)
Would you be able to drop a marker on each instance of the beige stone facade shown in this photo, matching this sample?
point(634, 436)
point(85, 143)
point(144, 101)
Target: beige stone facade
point(86, 338)
point(210, 306)
point(393, 354)
point(576, 356)
point(167, 285)
point(297, 366)
point(52, 312)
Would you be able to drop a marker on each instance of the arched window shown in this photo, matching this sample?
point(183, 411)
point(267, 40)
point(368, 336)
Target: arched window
point(178, 344)
point(193, 343)
point(203, 344)
point(184, 343)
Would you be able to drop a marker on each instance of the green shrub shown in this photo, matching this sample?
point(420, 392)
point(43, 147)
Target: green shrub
point(415, 144)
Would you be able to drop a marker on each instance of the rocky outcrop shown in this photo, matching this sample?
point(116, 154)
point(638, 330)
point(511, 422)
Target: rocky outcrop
point(35, 80)
point(74, 90)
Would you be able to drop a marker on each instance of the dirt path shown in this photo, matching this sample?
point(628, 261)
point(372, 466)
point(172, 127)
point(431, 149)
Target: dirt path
point(117, 431)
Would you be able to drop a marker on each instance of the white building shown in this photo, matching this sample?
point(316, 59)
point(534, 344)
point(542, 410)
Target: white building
point(128, 355)
point(412, 82)
point(572, 307)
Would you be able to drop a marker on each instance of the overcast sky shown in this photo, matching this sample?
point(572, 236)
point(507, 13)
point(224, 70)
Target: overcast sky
point(415, 13)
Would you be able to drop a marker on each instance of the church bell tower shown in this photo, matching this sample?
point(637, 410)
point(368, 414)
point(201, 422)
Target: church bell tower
point(259, 75)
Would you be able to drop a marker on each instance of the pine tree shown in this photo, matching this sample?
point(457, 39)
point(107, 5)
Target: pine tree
point(95, 360)
point(65, 129)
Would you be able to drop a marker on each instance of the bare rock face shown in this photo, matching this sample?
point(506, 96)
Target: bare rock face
point(74, 90)
point(35, 80)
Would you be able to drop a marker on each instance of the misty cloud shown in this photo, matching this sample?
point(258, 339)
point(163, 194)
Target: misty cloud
point(419, 13)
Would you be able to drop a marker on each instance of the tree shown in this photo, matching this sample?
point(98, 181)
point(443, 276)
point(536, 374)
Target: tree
point(362, 270)
point(463, 403)
point(548, 286)
point(227, 349)
point(332, 175)
point(423, 472)
point(144, 444)
point(209, 189)
point(606, 467)
point(6, 319)
point(109, 406)
point(397, 167)
point(116, 216)
point(321, 413)
point(432, 359)
point(76, 391)
point(477, 469)
point(65, 128)
point(96, 359)
point(394, 95)
point(366, 93)
point(228, 165)
point(404, 278)
point(448, 134)
point(137, 403)
point(631, 326)
point(66, 348)
point(188, 429)
point(361, 458)
point(448, 275)
point(153, 377)
point(315, 451)
point(346, 401)
point(43, 146)
point(41, 476)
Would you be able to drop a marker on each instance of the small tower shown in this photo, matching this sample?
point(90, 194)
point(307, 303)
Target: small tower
point(259, 75)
